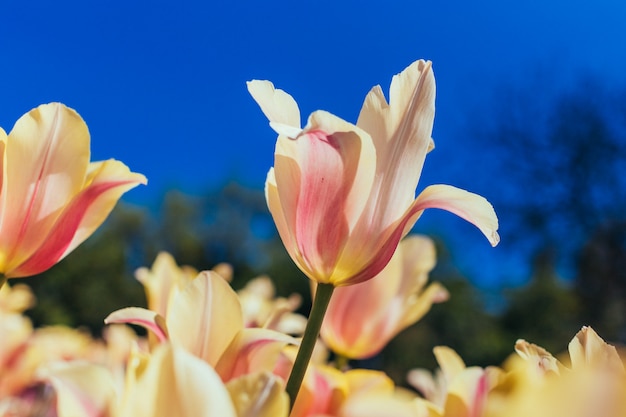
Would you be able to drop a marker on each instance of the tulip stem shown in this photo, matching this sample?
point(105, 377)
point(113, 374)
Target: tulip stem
point(341, 362)
point(312, 330)
point(3, 280)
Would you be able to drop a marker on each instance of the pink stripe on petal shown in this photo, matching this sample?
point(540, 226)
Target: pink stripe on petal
point(253, 350)
point(480, 397)
point(471, 207)
point(56, 245)
point(321, 227)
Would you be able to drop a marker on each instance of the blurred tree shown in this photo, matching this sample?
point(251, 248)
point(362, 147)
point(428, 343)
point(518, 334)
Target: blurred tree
point(545, 311)
point(564, 161)
point(601, 281)
point(564, 164)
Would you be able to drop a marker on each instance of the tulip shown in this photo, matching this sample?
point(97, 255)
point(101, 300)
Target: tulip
point(52, 198)
point(170, 382)
point(342, 195)
point(361, 319)
point(456, 390)
point(594, 383)
point(205, 317)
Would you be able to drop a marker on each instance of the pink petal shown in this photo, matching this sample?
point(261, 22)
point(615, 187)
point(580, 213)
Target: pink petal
point(253, 350)
point(315, 175)
point(81, 217)
point(45, 160)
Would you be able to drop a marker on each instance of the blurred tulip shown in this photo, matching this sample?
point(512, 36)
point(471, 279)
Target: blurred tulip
point(163, 281)
point(361, 319)
point(52, 198)
point(258, 395)
point(342, 195)
point(170, 382)
point(457, 391)
point(539, 385)
point(261, 307)
point(205, 317)
point(176, 383)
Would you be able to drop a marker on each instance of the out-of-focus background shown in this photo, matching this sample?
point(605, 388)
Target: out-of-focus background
point(531, 114)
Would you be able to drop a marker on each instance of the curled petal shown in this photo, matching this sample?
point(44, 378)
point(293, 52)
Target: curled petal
point(253, 350)
point(140, 317)
point(468, 206)
point(542, 360)
point(106, 182)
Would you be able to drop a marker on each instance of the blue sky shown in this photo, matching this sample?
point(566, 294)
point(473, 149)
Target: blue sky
point(162, 84)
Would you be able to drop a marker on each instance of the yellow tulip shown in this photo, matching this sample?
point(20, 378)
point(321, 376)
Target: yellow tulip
point(52, 198)
point(342, 195)
point(205, 317)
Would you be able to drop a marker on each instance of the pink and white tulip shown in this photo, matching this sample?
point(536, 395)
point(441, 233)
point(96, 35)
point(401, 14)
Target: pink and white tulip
point(52, 198)
point(343, 195)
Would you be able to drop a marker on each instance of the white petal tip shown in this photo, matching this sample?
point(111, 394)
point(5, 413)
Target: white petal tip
point(286, 130)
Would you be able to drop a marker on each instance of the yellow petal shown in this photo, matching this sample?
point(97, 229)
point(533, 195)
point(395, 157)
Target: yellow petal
point(588, 349)
point(163, 280)
point(176, 383)
point(82, 389)
point(259, 395)
point(449, 361)
point(205, 317)
point(45, 161)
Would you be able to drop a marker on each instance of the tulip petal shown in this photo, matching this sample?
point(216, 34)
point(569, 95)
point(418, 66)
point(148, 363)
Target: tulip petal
point(450, 362)
point(47, 154)
point(401, 131)
point(106, 182)
point(468, 206)
point(82, 389)
point(164, 279)
point(259, 395)
point(140, 317)
point(382, 406)
point(278, 106)
point(587, 349)
point(3, 144)
point(318, 170)
point(205, 316)
point(176, 383)
point(253, 350)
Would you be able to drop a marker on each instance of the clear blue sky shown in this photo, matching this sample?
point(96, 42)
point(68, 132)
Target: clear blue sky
point(162, 84)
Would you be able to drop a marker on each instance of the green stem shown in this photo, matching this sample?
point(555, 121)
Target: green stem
point(3, 280)
point(341, 362)
point(320, 303)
